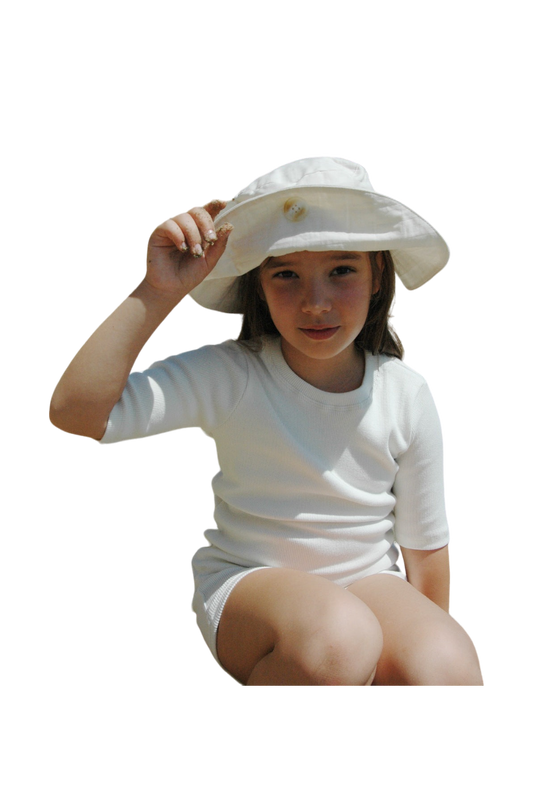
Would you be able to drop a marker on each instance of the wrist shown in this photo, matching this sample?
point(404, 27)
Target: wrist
point(156, 298)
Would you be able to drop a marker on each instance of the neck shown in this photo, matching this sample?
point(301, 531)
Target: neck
point(340, 374)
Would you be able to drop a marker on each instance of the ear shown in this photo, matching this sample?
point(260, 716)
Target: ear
point(376, 278)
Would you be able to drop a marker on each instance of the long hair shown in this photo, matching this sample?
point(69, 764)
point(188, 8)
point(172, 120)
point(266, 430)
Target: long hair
point(376, 336)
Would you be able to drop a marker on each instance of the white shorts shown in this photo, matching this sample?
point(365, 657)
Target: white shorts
point(212, 590)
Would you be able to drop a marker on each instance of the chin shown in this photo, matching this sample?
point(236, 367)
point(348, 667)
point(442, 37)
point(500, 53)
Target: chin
point(317, 349)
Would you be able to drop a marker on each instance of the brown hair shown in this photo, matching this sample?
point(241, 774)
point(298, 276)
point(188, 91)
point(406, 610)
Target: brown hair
point(376, 336)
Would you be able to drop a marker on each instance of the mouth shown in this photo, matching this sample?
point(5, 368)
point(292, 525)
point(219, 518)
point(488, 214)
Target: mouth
point(320, 332)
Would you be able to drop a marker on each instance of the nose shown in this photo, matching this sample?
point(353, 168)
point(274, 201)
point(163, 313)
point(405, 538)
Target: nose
point(315, 298)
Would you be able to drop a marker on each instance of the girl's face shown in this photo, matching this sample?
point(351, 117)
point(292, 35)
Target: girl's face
point(319, 304)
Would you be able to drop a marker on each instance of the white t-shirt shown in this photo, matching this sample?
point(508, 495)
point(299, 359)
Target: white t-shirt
point(323, 482)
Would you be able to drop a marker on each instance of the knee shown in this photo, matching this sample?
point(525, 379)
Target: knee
point(342, 647)
point(448, 658)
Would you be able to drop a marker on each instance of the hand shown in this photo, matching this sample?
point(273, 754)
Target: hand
point(183, 250)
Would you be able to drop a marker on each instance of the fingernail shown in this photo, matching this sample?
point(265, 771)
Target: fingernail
point(184, 247)
point(197, 250)
point(210, 236)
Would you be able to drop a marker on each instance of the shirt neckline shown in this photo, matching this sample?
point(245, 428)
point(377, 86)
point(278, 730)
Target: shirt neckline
point(274, 356)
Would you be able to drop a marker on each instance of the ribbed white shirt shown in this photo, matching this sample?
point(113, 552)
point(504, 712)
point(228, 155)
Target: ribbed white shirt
point(323, 482)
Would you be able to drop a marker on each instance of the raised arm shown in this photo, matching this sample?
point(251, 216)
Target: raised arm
point(181, 252)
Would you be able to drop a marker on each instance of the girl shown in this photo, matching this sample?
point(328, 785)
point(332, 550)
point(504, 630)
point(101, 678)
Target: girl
point(329, 446)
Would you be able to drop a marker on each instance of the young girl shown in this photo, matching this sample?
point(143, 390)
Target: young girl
point(329, 446)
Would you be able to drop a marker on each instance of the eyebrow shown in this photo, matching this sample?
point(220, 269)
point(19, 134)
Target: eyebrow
point(338, 256)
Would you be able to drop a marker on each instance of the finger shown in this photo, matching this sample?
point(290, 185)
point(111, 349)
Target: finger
point(205, 226)
point(193, 235)
point(215, 251)
point(203, 215)
point(214, 207)
point(169, 231)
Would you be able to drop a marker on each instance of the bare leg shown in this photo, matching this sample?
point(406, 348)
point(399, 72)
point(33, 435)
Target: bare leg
point(285, 627)
point(423, 645)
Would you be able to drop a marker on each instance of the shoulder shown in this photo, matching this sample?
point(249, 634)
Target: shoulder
point(196, 388)
point(403, 394)
point(226, 358)
point(394, 374)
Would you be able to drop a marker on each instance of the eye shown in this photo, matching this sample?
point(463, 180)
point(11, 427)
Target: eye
point(342, 270)
point(285, 274)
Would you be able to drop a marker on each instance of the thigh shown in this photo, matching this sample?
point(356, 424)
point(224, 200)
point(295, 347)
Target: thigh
point(422, 644)
point(283, 606)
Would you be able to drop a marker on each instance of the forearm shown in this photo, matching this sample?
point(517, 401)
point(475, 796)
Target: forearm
point(429, 572)
point(96, 377)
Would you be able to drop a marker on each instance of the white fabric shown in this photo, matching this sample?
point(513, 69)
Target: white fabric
point(318, 204)
point(323, 482)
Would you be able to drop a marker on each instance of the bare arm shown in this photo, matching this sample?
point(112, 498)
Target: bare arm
point(93, 382)
point(429, 572)
point(181, 252)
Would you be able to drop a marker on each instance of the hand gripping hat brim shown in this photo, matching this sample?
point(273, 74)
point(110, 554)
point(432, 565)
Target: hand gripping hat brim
point(320, 204)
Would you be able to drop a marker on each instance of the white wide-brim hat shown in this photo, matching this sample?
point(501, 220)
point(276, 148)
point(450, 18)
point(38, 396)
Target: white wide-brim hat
point(319, 204)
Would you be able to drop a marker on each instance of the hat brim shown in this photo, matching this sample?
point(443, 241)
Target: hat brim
point(334, 219)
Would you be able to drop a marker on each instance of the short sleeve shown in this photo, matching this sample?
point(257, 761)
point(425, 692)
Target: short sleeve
point(198, 388)
point(420, 514)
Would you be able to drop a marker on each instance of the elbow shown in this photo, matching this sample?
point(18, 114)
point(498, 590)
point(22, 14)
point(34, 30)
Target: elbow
point(72, 420)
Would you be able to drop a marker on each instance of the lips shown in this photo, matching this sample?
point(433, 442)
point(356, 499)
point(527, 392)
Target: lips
point(320, 332)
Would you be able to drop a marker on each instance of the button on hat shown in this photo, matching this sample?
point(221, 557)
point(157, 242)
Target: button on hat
point(294, 209)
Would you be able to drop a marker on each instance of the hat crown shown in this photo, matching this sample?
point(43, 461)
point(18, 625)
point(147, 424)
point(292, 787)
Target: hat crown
point(315, 172)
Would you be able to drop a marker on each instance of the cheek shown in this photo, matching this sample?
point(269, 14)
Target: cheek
point(356, 299)
point(280, 300)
